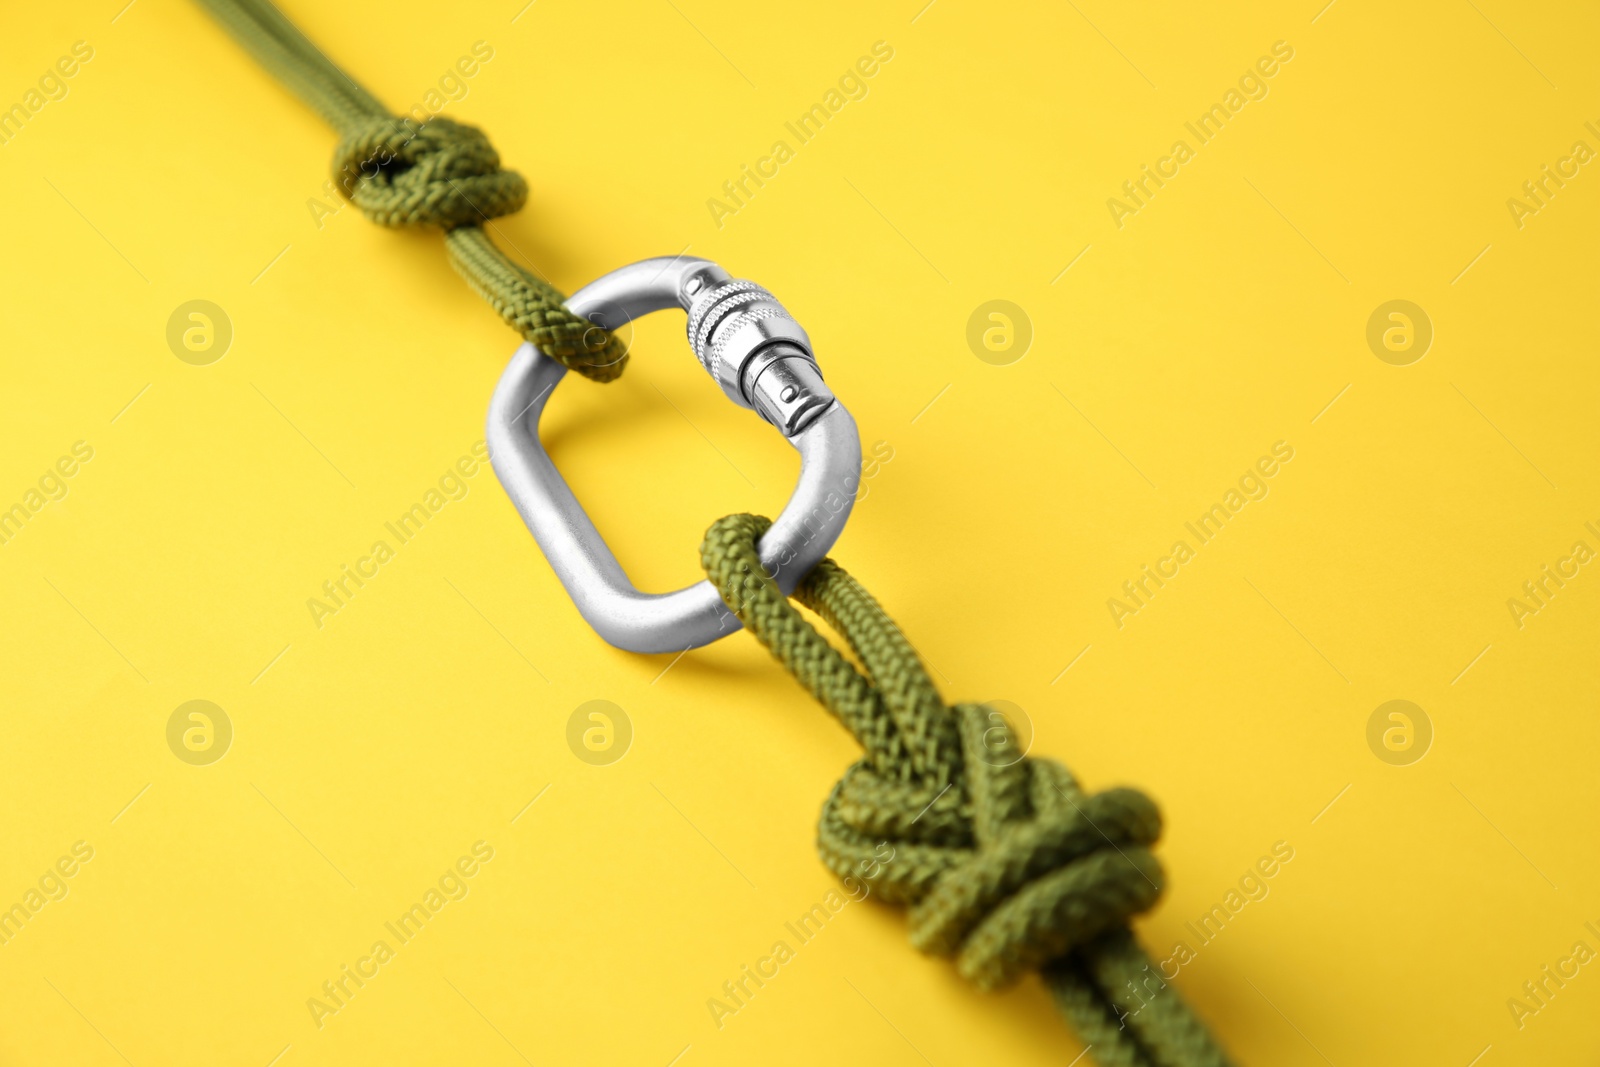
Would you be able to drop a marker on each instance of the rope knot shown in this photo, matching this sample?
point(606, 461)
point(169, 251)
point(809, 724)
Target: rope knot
point(401, 172)
point(1007, 869)
point(1004, 861)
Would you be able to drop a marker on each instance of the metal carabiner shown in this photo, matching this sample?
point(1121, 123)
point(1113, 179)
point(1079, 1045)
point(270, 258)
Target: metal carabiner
point(762, 359)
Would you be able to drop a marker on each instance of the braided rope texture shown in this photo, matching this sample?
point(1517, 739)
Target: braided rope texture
point(401, 172)
point(1002, 860)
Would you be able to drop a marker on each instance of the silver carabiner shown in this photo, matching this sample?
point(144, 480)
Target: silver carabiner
point(762, 359)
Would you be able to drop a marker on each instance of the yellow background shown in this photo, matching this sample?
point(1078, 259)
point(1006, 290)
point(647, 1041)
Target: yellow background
point(1223, 317)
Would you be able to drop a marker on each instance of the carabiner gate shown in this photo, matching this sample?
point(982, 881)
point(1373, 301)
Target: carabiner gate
point(762, 359)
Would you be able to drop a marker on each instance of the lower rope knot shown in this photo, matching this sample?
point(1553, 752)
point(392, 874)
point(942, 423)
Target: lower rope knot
point(1043, 886)
point(401, 172)
point(1004, 861)
point(1006, 874)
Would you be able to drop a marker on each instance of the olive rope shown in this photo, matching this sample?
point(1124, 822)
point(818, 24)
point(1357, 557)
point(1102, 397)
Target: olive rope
point(401, 172)
point(1003, 860)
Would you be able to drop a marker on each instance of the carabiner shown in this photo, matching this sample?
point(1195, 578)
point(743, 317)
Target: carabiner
point(762, 359)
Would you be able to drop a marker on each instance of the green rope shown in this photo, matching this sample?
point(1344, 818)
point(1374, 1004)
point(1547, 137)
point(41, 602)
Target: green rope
point(1004, 862)
point(401, 172)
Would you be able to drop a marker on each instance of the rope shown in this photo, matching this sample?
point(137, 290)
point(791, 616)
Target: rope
point(1003, 861)
point(401, 172)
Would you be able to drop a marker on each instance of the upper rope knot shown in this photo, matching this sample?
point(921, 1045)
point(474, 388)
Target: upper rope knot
point(1005, 869)
point(401, 172)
